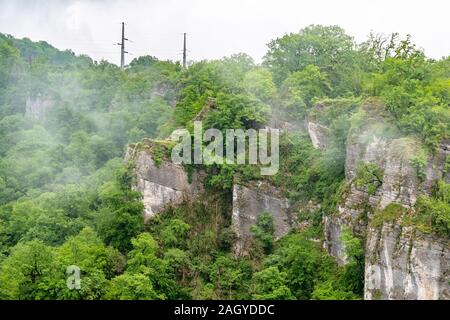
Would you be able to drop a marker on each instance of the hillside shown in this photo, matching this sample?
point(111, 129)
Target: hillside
point(359, 208)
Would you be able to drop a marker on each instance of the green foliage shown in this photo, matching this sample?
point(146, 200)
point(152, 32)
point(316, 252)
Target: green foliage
point(41, 218)
point(227, 238)
point(224, 94)
point(307, 173)
point(132, 287)
point(36, 271)
point(229, 275)
point(259, 83)
point(433, 213)
point(301, 87)
point(391, 213)
point(327, 47)
point(270, 284)
point(158, 156)
point(174, 234)
point(330, 290)
point(237, 111)
point(302, 261)
point(415, 90)
point(419, 161)
point(430, 214)
point(442, 191)
point(24, 270)
point(221, 177)
point(145, 277)
point(447, 165)
point(201, 264)
point(328, 111)
point(369, 176)
point(264, 230)
point(120, 212)
point(307, 272)
point(352, 278)
point(97, 264)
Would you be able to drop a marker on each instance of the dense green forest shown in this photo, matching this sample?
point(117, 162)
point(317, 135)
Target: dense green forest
point(66, 195)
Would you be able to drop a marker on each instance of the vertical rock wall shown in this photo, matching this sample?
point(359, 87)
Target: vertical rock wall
point(318, 134)
point(405, 264)
point(162, 185)
point(401, 263)
point(251, 201)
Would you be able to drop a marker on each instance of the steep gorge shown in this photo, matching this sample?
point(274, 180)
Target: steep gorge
point(401, 260)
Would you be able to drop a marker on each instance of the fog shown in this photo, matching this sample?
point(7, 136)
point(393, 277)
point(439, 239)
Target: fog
point(215, 28)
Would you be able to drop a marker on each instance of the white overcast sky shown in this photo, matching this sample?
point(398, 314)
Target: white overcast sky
point(215, 28)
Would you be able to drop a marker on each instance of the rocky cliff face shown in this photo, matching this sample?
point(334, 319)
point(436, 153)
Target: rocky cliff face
point(318, 134)
point(252, 200)
point(400, 263)
point(333, 229)
point(163, 184)
point(403, 263)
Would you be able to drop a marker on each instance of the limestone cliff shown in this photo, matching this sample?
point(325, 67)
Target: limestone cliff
point(161, 182)
point(401, 262)
point(252, 200)
point(318, 134)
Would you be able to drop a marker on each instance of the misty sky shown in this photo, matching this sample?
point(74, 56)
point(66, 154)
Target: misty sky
point(215, 28)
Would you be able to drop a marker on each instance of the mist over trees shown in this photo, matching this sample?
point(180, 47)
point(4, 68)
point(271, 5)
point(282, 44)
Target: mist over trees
point(66, 195)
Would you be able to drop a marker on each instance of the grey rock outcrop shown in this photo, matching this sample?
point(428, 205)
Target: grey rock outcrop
point(334, 228)
point(162, 185)
point(318, 134)
point(404, 264)
point(398, 265)
point(252, 200)
point(322, 116)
